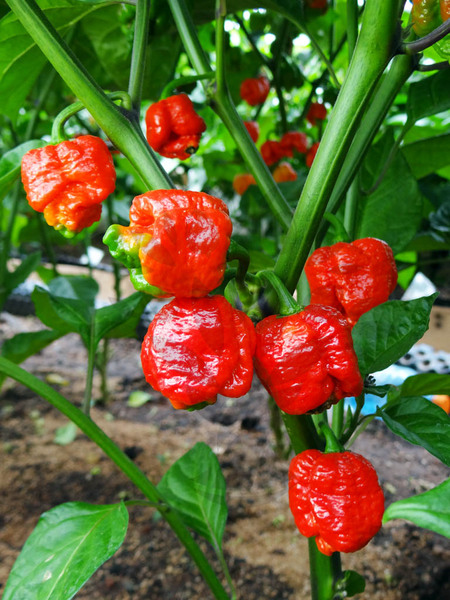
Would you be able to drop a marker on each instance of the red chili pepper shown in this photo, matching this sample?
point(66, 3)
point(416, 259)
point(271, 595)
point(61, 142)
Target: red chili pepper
point(311, 154)
point(284, 172)
point(173, 127)
point(69, 181)
point(255, 90)
point(316, 112)
point(242, 182)
point(197, 348)
point(176, 244)
point(321, 5)
point(306, 361)
point(294, 140)
point(271, 152)
point(352, 278)
point(337, 498)
point(253, 129)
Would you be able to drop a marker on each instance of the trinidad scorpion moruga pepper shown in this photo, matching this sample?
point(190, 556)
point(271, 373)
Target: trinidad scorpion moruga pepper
point(352, 277)
point(176, 244)
point(174, 128)
point(255, 90)
point(337, 498)
point(196, 348)
point(69, 181)
point(306, 361)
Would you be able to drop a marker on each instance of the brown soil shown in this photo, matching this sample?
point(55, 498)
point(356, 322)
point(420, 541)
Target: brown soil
point(266, 555)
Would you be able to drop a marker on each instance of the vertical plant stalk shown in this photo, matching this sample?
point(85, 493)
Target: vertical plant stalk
point(138, 57)
point(224, 107)
point(374, 49)
point(324, 570)
point(125, 464)
point(121, 126)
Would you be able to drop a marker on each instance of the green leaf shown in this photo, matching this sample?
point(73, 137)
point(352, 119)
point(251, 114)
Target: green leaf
point(23, 345)
point(428, 96)
point(46, 312)
point(386, 333)
point(426, 384)
point(427, 156)
point(73, 298)
point(67, 546)
point(21, 60)
point(350, 583)
point(376, 210)
point(195, 487)
point(420, 422)
point(10, 163)
point(66, 434)
point(430, 510)
point(120, 319)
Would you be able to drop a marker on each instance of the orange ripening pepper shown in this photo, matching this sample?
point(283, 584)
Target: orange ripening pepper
point(176, 244)
point(255, 90)
point(445, 10)
point(306, 361)
point(335, 498)
point(311, 154)
point(242, 182)
point(316, 112)
point(69, 181)
point(196, 348)
point(352, 278)
point(284, 172)
point(293, 140)
point(174, 128)
point(253, 129)
point(443, 401)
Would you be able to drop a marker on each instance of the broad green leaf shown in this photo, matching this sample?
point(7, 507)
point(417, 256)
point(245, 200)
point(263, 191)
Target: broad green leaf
point(429, 96)
point(26, 267)
point(73, 298)
point(386, 333)
point(376, 210)
point(10, 163)
point(349, 584)
point(23, 345)
point(47, 313)
point(70, 542)
point(120, 319)
point(195, 487)
point(427, 156)
point(20, 59)
point(420, 422)
point(430, 510)
point(425, 384)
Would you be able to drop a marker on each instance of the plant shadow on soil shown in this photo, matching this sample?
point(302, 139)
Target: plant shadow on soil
point(266, 555)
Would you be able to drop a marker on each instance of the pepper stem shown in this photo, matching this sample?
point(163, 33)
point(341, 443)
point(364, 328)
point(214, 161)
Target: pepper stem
point(180, 81)
point(332, 444)
point(286, 303)
point(340, 233)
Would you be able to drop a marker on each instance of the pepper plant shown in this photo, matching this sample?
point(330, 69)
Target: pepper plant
point(310, 132)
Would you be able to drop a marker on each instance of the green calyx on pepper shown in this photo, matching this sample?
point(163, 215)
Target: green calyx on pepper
point(176, 244)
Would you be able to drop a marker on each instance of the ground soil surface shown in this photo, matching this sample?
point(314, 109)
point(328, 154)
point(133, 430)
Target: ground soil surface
point(266, 555)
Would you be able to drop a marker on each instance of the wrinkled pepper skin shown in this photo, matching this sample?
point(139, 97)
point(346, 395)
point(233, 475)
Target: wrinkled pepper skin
point(174, 128)
point(271, 152)
point(196, 348)
point(293, 140)
point(69, 181)
point(253, 129)
point(306, 361)
point(316, 112)
point(284, 172)
point(176, 244)
point(352, 278)
point(255, 90)
point(242, 181)
point(337, 498)
point(426, 16)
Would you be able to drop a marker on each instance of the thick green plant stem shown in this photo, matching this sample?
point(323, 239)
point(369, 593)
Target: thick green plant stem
point(138, 57)
point(374, 49)
point(224, 107)
point(125, 464)
point(120, 126)
point(393, 80)
point(325, 570)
